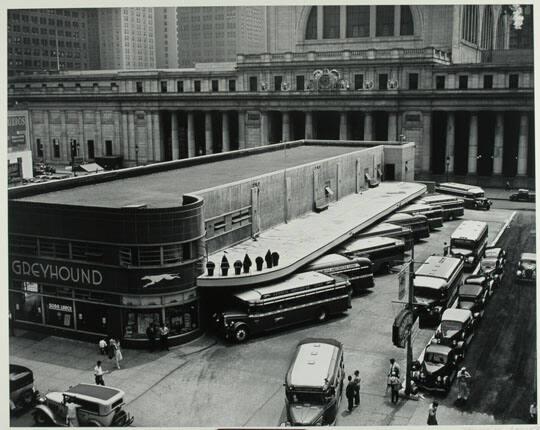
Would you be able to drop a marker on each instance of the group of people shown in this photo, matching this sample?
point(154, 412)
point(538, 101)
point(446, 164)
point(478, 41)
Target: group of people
point(352, 391)
point(112, 349)
point(153, 331)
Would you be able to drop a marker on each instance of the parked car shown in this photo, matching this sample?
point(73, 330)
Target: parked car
point(456, 330)
point(523, 195)
point(486, 282)
point(22, 393)
point(43, 169)
point(526, 270)
point(438, 368)
point(492, 264)
point(98, 406)
point(473, 297)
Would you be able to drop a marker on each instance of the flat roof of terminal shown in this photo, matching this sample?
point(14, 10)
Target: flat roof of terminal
point(165, 189)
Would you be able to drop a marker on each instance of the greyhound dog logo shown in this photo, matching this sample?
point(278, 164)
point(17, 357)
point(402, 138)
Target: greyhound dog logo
point(154, 279)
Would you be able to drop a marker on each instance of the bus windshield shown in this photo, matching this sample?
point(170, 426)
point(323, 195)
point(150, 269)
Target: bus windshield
point(463, 243)
point(305, 397)
point(427, 293)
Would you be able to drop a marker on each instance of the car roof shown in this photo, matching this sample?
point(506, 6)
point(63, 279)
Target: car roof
point(96, 393)
point(454, 314)
point(475, 279)
point(470, 290)
point(528, 256)
point(438, 348)
point(492, 252)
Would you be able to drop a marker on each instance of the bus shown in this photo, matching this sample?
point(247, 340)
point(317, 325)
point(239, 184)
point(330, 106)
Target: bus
point(307, 296)
point(386, 229)
point(473, 196)
point(314, 383)
point(436, 285)
point(417, 223)
point(452, 207)
point(384, 252)
point(434, 214)
point(469, 242)
point(358, 270)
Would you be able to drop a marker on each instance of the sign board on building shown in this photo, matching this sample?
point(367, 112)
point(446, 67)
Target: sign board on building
point(17, 130)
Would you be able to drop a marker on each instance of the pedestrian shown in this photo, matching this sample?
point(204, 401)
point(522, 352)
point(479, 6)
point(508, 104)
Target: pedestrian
point(463, 377)
point(71, 414)
point(118, 355)
point(394, 367)
point(103, 346)
point(98, 373)
point(356, 381)
point(432, 414)
point(395, 385)
point(349, 392)
point(507, 185)
point(532, 413)
point(151, 335)
point(112, 348)
point(446, 249)
point(164, 336)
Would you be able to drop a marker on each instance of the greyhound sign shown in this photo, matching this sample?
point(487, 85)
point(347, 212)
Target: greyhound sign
point(151, 280)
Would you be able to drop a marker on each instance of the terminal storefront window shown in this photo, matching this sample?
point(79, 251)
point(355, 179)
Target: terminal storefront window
point(28, 306)
point(92, 317)
point(58, 312)
point(137, 321)
point(182, 319)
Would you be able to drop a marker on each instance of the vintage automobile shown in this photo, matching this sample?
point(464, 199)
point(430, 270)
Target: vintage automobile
point(486, 282)
point(523, 195)
point(456, 330)
point(22, 393)
point(492, 264)
point(98, 406)
point(437, 370)
point(473, 297)
point(43, 169)
point(526, 270)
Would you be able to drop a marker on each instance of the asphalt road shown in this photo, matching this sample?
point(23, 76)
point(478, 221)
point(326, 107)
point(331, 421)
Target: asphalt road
point(502, 356)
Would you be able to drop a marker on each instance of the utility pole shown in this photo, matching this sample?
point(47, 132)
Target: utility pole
point(409, 336)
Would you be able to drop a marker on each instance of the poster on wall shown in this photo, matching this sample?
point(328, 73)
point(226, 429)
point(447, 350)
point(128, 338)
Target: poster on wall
point(17, 131)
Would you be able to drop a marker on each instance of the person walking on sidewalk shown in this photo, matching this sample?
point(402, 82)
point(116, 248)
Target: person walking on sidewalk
point(103, 346)
point(164, 336)
point(151, 335)
point(71, 414)
point(532, 413)
point(464, 379)
point(112, 348)
point(356, 381)
point(349, 392)
point(118, 355)
point(98, 373)
point(432, 414)
point(395, 385)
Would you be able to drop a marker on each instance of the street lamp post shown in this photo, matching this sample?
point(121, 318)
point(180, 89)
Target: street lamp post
point(73, 145)
point(447, 167)
point(409, 336)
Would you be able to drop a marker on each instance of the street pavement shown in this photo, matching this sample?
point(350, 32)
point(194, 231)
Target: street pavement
point(209, 383)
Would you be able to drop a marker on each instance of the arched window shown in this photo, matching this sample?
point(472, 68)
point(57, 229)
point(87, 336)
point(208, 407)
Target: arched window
point(487, 29)
point(331, 17)
point(357, 21)
point(385, 21)
point(501, 32)
point(311, 29)
point(469, 27)
point(406, 26)
point(523, 38)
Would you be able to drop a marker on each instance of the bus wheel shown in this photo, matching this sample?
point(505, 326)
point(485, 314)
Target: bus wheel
point(241, 333)
point(322, 315)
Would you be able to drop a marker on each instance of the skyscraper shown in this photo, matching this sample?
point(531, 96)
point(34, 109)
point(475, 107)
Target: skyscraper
point(127, 38)
point(208, 34)
point(166, 37)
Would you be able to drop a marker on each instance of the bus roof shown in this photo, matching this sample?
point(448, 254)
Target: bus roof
point(428, 282)
point(296, 281)
point(370, 243)
point(312, 364)
point(461, 187)
point(439, 198)
point(439, 267)
point(382, 228)
point(328, 259)
point(453, 314)
point(472, 230)
point(416, 207)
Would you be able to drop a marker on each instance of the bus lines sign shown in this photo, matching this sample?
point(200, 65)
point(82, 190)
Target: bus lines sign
point(44, 271)
point(17, 128)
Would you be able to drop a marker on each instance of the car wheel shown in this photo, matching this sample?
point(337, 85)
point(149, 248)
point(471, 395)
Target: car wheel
point(26, 399)
point(42, 419)
point(322, 315)
point(241, 333)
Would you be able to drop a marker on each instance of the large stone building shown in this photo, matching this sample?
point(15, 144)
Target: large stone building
point(457, 80)
point(210, 34)
point(166, 37)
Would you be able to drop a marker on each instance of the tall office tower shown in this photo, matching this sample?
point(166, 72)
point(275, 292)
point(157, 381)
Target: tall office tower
point(212, 34)
point(92, 27)
point(47, 39)
point(166, 37)
point(281, 28)
point(127, 38)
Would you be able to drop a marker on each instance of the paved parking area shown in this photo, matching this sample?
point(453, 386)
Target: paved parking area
point(209, 382)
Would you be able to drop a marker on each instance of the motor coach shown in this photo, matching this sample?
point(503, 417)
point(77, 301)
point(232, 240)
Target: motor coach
point(468, 242)
point(473, 196)
point(384, 252)
point(416, 222)
point(452, 207)
point(434, 214)
point(386, 229)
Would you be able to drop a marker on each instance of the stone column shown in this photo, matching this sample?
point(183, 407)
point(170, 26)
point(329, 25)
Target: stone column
point(191, 135)
point(264, 128)
point(82, 144)
point(117, 142)
point(241, 130)
point(48, 150)
point(523, 144)
point(225, 132)
point(342, 22)
point(392, 126)
point(150, 137)
point(285, 127)
point(473, 145)
point(498, 144)
point(450, 140)
point(309, 126)
point(320, 22)
point(131, 130)
point(368, 126)
point(208, 137)
point(343, 135)
point(426, 142)
point(64, 138)
point(174, 136)
point(156, 128)
point(125, 137)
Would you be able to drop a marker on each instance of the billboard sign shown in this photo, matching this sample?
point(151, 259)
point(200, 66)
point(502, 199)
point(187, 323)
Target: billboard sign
point(17, 131)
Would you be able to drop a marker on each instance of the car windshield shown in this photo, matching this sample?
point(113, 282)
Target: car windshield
point(450, 326)
point(478, 195)
point(489, 262)
point(305, 397)
point(436, 358)
point(528, 264)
